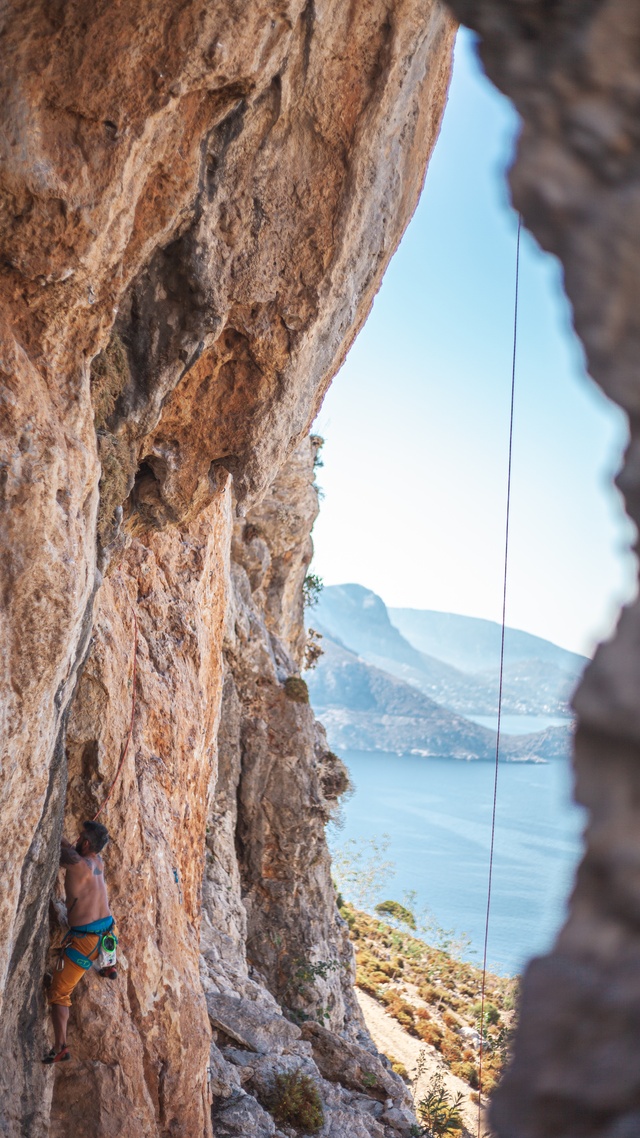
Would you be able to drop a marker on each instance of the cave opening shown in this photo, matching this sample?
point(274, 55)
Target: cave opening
point(442, 327)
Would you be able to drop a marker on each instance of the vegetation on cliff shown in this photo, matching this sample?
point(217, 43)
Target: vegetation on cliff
point(295, 1101)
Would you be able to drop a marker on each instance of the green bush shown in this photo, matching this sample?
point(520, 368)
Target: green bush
point(295, 1101)
point(296, 689)
point(438, 1111)
point(398, 913)
point(492, 1015)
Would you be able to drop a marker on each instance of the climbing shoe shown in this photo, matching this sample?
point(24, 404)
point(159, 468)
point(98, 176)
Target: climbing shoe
point(61, 1056)
point(109, 973)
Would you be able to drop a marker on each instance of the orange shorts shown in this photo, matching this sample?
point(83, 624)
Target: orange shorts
point(66, 977)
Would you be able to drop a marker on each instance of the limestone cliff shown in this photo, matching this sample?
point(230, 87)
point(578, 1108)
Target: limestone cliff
point(198, 203)
point(270, 927)
point(270, 922)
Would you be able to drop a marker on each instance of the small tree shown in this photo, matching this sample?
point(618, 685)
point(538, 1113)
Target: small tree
point(317, 443)
point(361, 870)
point(438, 1112)
point(312, 649)
point(295, 1101)
point(311, 588)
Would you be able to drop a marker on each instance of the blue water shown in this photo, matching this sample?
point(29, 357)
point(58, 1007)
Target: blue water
point(437, 815)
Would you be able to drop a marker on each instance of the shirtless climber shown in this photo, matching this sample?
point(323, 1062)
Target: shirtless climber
point(89, 919)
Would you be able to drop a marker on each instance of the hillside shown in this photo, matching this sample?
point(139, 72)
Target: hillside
point(365, 708)
point(455, 660)
point(473, 645)
point(434, 995)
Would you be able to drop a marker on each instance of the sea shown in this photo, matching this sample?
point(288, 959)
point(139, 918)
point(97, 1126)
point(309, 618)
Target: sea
point(434, 815)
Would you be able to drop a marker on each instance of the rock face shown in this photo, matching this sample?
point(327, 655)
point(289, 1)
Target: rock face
point(130, 1039)
point(270, 922)
point(572, 72)
point(271, 936)
point(197, 207)
point(198, 203)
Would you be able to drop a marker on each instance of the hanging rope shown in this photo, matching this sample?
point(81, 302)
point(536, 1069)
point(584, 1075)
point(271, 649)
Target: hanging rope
point(504, 618)
point(133, 711)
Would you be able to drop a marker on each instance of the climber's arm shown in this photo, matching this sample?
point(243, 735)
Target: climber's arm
point(68, 853)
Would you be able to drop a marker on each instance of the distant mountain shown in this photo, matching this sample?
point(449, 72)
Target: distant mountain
point(473, 645)
point(461, 675)
point(364, 708)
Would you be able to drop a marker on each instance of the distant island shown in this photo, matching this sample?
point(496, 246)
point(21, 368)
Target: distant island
point(410, 681)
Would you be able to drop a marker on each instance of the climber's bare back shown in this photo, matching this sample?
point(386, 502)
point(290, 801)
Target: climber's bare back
point(85, 888)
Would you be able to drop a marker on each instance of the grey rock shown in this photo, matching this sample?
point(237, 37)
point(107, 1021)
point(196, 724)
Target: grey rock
point(342, 1061)
point(250, 1024)
point(242, 1117)
point(223, 1079)
point(398, 1118)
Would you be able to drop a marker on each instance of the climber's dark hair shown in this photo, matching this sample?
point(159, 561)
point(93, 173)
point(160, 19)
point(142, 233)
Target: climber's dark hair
point(96, 834)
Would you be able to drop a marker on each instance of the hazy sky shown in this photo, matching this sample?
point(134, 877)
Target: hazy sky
point(416, 423)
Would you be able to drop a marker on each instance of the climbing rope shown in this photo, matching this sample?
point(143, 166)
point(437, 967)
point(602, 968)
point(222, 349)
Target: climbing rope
point(504, 617)
point(133, 711)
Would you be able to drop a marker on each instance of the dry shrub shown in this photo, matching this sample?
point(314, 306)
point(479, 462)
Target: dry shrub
point(295, 1101)
point(429, 1033)
point(398, 1067)
point(451, 1050)
point(405, 1018)
point(384, 966)
point(379, 977)
point(466, 1071)
point(391, 996)
point(366, 985)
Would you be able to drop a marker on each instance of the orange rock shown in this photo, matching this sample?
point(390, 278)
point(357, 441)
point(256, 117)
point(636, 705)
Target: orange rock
point(198, 206)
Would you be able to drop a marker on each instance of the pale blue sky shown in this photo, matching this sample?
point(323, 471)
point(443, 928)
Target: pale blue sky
point(416, 422)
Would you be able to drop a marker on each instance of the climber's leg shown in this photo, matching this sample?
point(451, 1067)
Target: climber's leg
point(64, 981)
point(59, 1019)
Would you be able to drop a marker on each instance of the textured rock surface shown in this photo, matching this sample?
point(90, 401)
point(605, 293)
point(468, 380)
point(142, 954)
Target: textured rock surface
point(573, 72)
point(197, 205)
point(142, 1045)
point(270, 922)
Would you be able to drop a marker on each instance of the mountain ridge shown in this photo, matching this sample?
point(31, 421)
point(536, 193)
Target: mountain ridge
point(438, 633)
point(540, 685)
point(364, 708)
